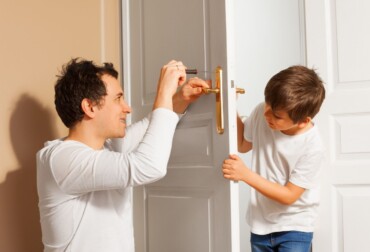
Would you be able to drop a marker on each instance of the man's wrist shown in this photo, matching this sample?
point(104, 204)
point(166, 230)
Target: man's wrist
point(163, 101)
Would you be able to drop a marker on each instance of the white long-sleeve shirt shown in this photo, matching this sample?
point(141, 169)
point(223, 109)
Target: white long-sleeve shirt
point(85, 195)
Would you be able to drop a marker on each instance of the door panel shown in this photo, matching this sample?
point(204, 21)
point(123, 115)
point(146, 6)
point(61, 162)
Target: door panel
point(158, 32)
point(262, 51)
point(338, 46)
point(193, 208)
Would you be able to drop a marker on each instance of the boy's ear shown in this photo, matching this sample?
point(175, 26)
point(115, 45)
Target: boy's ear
point(88, 108)
point(304, 122)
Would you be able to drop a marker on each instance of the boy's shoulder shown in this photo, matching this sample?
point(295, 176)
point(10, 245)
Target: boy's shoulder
point(309, 141)
point(313, 136)
point(258, 111)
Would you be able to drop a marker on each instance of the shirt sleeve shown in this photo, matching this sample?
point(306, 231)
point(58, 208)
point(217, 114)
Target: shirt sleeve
point(79, 169)
point(134, 134)
point(249, 123)
point(307, 170)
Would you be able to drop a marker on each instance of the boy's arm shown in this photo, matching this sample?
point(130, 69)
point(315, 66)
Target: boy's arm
point(234, 169)
point(284, 194)
point(243, 145)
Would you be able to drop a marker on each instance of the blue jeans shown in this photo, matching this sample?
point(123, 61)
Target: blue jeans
point(289, 241)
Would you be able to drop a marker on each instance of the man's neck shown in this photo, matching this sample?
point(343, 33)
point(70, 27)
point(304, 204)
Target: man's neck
point(85, 136)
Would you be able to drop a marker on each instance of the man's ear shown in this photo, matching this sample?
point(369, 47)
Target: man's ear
point(304, 122)
point(88, 107)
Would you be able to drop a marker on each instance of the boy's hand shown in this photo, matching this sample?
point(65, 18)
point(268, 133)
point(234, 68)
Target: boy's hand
point(234, 168)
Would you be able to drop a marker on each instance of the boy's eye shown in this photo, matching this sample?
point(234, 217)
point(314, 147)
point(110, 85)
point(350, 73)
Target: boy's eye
point(276, 116)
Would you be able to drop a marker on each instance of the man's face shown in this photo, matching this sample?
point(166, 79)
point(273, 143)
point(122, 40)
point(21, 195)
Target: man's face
point(112, 114)
point(279, 120)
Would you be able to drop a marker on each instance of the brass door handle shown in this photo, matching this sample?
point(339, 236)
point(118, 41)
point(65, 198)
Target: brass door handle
point(216, 90)
point(211, 90)
point(240, 90)
point(219, 99)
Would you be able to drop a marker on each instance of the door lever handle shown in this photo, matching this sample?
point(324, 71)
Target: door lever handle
point(219, 99)
point(211, 90)
point(216, 90)
point(240, 90)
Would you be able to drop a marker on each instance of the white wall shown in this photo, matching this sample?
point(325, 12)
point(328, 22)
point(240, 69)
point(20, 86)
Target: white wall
point(269, 37)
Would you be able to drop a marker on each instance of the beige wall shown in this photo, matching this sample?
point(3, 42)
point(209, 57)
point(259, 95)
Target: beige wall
point(36, 38)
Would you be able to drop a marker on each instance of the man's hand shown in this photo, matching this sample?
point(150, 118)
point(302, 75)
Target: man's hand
point(188, 93)
point(171, 77)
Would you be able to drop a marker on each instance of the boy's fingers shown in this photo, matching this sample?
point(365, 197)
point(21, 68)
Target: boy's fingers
point(227, 161)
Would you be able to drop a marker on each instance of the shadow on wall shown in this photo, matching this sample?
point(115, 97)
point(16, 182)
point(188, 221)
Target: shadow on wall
point(30, 126)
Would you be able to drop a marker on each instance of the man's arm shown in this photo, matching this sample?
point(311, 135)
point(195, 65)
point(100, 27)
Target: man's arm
point(79, 169)
point(185, 95)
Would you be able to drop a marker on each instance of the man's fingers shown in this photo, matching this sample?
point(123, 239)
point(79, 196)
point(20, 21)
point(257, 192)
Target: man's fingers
point(196, 82)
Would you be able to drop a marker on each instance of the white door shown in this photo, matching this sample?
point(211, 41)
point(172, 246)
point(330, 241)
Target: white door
point(269, 36)
point(193, 208)
point(338, 45)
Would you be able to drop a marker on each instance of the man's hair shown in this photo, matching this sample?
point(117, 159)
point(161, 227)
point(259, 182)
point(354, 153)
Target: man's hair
point(80, 79)
point(298, 90)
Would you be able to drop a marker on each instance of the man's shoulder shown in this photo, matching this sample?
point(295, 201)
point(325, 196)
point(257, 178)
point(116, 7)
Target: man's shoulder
point(49, 146)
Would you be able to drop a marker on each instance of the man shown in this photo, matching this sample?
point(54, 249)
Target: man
point(85, 180)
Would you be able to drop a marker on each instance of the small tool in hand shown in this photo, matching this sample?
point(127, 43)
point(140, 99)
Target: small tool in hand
point(191, 71)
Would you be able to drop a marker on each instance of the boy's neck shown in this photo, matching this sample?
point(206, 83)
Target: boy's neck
point(297, 129)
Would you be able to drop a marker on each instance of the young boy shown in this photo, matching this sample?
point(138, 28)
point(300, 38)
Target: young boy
point(286, 159)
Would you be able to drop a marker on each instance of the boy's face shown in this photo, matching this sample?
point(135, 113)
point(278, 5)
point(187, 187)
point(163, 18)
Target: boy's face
point(280, 120)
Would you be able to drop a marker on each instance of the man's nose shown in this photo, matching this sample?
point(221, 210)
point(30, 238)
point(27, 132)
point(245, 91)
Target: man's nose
point(126, 108)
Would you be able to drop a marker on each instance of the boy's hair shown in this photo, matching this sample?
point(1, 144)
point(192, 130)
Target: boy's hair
point(80, 79)
point(298, 90)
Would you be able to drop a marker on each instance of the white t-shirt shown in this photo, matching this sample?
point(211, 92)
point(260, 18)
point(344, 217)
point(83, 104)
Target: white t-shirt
point(282, 158)
point(85, 195)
